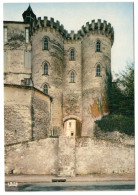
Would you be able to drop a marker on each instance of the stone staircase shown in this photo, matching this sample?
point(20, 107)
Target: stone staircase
point(66, 156)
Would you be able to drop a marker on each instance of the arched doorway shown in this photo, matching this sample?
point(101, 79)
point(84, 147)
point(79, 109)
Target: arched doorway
point(72, 127)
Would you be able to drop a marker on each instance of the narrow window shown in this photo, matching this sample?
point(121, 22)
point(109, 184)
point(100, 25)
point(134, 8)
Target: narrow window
point(45, 89)
point(27, 35)
point(27, 81)
point(72, 77)
point(98, 46)
point(98, 70)
point(69, 124)
point(72, 54)
point(5, 35)
point(45, 44)
point(46, 69)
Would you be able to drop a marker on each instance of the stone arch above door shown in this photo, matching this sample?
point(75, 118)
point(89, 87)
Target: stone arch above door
point(72, 126)
point(71, 117)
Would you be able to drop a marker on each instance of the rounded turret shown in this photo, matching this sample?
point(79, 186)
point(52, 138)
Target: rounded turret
point(96, 62)
point(47, 65)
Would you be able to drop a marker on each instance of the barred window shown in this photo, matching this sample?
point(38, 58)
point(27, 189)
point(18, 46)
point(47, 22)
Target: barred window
point(45, 89)
point(46, 69)
point(98, 46)
point(98, 70)
point(72, 54)
point(72, 77)
point(45, 44)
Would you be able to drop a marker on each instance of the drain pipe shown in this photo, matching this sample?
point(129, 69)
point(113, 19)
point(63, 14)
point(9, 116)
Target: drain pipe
point(52, 130)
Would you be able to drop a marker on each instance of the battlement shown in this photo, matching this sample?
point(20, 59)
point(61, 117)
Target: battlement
point(98, 27)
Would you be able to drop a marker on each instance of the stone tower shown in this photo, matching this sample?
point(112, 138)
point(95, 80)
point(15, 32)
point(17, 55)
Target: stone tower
point(96, 61)
point(76, 72)
point(69, 67)
point(47, 65)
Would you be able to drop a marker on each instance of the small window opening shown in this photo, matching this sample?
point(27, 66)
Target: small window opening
point(69, 124)
point(46, 69)
point(72, 134)
point(98, 70)
point(98, 46)
point(27, 81)
point(45, 89)
point(72, 54)
point(46, 44)
point(72, 77)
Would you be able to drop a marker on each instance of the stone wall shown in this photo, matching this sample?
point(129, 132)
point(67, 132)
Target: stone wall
point(35, 157)
point(27, 114)
point(100, 156)
point(67, 156)
point(14, 53)
point(17, 114)
point(41, 119)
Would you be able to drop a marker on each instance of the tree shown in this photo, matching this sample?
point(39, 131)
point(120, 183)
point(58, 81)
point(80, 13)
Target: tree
point(120, 98)
point(120, 94)
point(126, 86)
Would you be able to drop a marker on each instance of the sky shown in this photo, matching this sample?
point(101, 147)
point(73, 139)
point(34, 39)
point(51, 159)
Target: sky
point(73, 15)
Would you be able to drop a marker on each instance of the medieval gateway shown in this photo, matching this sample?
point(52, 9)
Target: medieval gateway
point(54, 85)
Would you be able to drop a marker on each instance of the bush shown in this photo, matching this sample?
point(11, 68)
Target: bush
point(120, 123)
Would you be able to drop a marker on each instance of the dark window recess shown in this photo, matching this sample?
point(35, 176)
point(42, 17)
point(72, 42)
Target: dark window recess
point(72, 54)
point(98, 70)
point(98, 46)
point(45, 44)
point(45, 90)
point(46, 69)
point(72, 77)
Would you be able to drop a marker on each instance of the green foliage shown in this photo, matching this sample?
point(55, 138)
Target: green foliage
point(120, 98)
point(120, 123)
point(126, 86)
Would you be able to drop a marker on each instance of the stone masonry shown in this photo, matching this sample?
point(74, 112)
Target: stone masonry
point(54, 91)
point(25, 58)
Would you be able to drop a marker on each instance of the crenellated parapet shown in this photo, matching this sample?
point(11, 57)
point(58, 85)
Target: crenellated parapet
point(94, 27)
point(97, 28)
point(45, 23)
